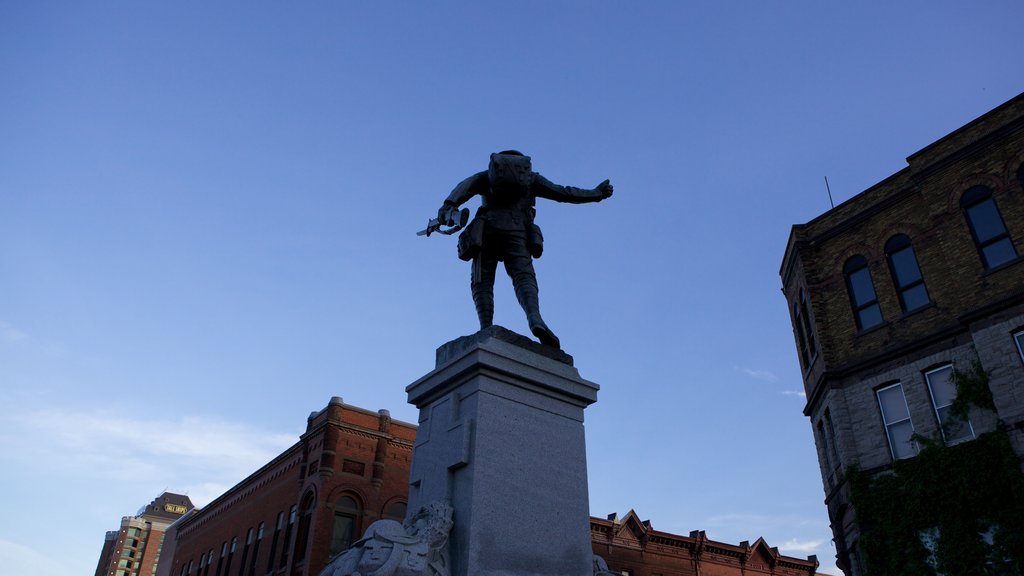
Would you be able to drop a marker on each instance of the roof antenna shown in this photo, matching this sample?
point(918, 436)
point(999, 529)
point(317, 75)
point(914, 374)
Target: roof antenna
point(829, 193)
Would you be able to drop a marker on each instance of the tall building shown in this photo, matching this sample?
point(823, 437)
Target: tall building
point(350, 468)
point(907, 306)
point(136, 548)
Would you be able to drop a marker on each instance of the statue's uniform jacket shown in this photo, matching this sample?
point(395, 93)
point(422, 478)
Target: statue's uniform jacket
point(509, 235)
point(514, 211)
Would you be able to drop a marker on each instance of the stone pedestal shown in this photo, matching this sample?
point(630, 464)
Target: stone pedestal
point(501, 438)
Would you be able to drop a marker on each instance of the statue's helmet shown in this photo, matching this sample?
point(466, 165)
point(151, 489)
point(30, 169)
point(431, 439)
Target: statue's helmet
point(509, 170)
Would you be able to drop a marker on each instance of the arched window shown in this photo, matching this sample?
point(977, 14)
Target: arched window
point(220, 559)
point(256, 549)
point(245, 552)
point(862, 293)
point(987, 227)
point(292, 517)
point(804, 330)
point(231, 555)
point(273, 542)
point(395, 511)
point(346, 523)
point(906, 274)
point(302, 538)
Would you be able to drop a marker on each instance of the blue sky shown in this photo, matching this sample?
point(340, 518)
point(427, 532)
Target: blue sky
point(207, 218)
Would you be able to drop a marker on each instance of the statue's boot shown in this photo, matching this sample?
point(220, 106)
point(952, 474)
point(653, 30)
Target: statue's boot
point(526, 292)
point(484, 301)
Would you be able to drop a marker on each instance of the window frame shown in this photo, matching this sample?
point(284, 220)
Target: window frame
point(972, 198)
point(888, 425)
point(936, 408)
point(898, 244)
point(353, 513)
point(855, 265)
point(1018, 338)
point(806, 340)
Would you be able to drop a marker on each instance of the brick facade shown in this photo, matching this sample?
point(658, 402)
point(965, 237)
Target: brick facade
point(350, 453)
point(350, 464)
point(973, 309)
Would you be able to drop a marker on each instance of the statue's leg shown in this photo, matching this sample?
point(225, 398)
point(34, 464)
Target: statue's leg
point(482, 284)
point(524, 280)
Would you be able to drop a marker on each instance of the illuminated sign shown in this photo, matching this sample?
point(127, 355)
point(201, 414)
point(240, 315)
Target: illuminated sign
point(175, 508)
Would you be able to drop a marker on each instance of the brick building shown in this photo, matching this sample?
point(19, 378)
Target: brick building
point(898, 296)
point(634, 548)
point(350, 468)
point(135, 549)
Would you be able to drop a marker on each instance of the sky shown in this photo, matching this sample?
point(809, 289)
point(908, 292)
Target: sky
point(208, 216)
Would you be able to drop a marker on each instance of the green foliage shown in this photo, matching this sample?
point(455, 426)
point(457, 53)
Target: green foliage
point(963, 490)
point(971, 389)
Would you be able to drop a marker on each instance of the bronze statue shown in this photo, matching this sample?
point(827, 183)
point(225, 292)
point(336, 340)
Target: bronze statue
point(503, 230)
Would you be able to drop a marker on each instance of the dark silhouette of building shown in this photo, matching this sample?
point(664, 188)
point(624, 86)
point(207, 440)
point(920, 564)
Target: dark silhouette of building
point(136, 548)
point(897, 294)
point(350, 468)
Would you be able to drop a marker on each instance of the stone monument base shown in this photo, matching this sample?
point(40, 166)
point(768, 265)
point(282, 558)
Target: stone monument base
point(501, 439)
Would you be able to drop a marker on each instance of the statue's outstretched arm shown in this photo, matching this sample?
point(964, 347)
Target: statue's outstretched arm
point(468, 188)
point(475, 184)
point(545, 188)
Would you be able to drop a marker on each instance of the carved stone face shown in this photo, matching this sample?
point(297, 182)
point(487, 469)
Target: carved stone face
point(375, 554)
point(415, 561)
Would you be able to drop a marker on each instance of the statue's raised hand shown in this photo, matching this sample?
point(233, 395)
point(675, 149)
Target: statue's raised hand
point(605, 188)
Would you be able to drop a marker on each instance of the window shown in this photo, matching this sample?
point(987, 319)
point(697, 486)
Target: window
point(943, 391)
point(1019, 338)
point(896, 416)
point(273, 542)
point(302, 537)
point(220, 559)
point(245, 552)
point(231, 555)
point(906, 274)
point(804, 330)
point(831, 444)
point(987, 228)
point(346, 513)
point(829, 465)
point(256, 550)
point(292, 515)
point(395, 511)
point(862, 293)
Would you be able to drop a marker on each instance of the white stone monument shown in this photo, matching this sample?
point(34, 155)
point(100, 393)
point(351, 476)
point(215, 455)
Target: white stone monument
point(501, 439)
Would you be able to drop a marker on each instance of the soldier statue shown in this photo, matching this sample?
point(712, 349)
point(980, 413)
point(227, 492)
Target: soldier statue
point(503, 231)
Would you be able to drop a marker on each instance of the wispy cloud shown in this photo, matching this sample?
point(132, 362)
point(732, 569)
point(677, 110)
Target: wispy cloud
point(794, 546)
point(202, 454)
point(20, 559)
point(786, 531)
point(9, 334)
point(764, 375)
point(799, 393)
